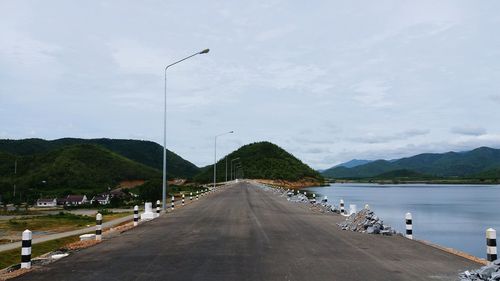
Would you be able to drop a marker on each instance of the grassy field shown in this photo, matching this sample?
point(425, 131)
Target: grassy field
point(12, 257)
point(50, 223)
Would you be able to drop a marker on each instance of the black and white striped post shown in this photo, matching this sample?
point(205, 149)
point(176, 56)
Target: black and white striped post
point(491, 245)
point(409, 226)
point(158, 207)
point(173, 202)
point(325, 199)
point(136, 215)
point(342, 209)
point(314, 198)
point(190, 196)
point(98, 227)
point(197, 195)
point(26, 250)
point(182, 199)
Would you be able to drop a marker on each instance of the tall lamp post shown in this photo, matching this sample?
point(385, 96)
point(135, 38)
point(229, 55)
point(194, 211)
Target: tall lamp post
point(232, 166)
point(164, 182)
point(215, 155)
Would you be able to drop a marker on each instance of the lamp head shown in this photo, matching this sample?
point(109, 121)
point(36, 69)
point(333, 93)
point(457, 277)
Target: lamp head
point(204, 51)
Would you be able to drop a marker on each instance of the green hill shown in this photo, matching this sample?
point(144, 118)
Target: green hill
point(145, 152)
point(402, 174)
point(262, 160)
point(445, 165)
point(72, 169)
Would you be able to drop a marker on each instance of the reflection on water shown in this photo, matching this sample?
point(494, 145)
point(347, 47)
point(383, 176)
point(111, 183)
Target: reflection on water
point(455, 216)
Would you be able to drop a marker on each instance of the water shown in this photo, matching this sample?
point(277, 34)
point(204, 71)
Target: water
point(455, 216)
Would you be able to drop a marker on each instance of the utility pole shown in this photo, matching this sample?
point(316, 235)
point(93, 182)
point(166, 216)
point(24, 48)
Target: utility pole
point(15, 178)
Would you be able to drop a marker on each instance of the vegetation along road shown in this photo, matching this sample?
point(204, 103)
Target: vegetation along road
point(247, 233)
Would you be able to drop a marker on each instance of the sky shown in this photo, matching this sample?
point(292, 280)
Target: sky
point(328, 81)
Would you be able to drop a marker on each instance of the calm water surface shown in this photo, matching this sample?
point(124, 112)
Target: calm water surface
point(455, 216)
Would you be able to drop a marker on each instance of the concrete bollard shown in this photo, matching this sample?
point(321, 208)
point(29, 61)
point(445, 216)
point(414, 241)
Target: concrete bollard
point(98, 227)
point(158, 208)
point(409, 226)
point(182, 199)
point(136, 215)
point(342, 210)
point(173, 203)
point(190, 196)
point(367, 207)
point(26, 250)
point(491, 245)
point(353, 209)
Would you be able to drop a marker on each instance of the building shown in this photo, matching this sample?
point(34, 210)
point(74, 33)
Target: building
point(75, 200)
point(102, 199)
point(46, 202)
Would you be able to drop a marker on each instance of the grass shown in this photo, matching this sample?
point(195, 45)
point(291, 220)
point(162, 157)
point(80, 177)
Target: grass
point(12, 257)
point(54, 223)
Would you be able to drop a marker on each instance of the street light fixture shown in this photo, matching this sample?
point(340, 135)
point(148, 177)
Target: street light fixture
point(164, 182)
point(238, 158)
point(215, 155)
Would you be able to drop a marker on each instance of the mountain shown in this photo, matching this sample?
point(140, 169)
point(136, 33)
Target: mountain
point(447, 165)
point(82, 168)
point(353, 163)
point(261, 160)
point(144, 152)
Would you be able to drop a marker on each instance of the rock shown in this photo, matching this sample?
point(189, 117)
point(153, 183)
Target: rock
point(366, 221)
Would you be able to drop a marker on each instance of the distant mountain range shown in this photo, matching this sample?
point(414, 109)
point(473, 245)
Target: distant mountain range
point(353, 163)
point(483, 162)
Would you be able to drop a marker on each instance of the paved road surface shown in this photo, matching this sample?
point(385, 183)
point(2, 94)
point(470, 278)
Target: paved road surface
point(246, 233)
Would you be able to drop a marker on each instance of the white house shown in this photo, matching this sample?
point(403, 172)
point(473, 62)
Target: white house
point(102, 199)
point(76, 200)
point(46, 202)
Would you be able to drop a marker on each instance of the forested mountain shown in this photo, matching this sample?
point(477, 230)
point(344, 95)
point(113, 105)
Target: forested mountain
point(480, 162)
point(145, 152)
point(261, 160)
point(83, 168)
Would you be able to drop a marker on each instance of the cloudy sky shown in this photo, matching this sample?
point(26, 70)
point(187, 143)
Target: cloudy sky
point(327, 80)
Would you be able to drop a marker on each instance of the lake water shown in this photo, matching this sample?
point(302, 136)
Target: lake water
point(454, 216)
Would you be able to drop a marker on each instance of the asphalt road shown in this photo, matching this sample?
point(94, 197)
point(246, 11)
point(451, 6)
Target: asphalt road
point(246, 233)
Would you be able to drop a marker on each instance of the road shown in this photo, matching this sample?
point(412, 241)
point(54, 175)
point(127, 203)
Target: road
point(247, 233)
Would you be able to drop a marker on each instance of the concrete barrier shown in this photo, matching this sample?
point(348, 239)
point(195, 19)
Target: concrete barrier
point(26, 249)
point(491, 245)
point(409, 226)
point(136, 215)
point(98, 227)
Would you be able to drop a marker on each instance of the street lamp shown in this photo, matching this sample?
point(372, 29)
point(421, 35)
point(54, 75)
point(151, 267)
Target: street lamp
point(215, 155)
point(232, 166)
point(164, 182)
